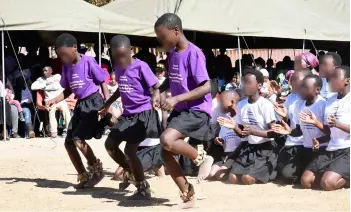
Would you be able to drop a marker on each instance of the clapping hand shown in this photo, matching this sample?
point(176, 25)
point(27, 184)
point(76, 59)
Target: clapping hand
point(332, 122)
point(169, 103)
point(219, 141)
point(226, 122)
point(246, 131)
point(282, 128)
point(308, 118)
point(315, 144)
point(281, 110)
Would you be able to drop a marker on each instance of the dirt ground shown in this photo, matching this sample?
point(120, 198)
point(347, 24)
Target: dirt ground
point(36, 175)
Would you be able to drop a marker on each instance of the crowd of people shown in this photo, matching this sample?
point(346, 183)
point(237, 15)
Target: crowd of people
point(192, 114)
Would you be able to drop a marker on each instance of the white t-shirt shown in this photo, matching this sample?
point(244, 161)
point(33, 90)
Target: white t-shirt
point(112, 88)
point(152, 141)
point(340, 109)
point(231, 139)
point(294, 119)
point(293, 97)
point(310, 131)
point(325, 91)
point(216, 112)
point(257, 115)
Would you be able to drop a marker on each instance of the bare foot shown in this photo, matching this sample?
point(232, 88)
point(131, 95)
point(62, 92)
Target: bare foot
point(118, 174)
point(205, 169)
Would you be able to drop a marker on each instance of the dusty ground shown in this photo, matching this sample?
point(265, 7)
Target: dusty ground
point(36, 175)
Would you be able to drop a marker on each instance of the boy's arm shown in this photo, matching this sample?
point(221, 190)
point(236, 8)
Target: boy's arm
point(105, 90)
point(324, 139)
point(112, 99)
point(38, 84)
point(261, 133)
point(196, 93)
point(343, 127)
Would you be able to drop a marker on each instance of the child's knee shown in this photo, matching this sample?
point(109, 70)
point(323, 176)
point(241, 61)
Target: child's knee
point(232, 178)
point(307, 181)
point(248, 180)
point(328, 184)
point(166, 141)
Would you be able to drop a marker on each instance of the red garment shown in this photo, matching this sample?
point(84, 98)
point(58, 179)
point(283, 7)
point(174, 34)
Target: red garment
point(105, 68)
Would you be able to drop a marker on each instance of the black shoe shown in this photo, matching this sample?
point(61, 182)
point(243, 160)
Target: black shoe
point(96, 174)
point(143, 191)
point(15, 135)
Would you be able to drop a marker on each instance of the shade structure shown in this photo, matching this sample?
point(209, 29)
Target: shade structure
point(295, 19)
point(67, 15)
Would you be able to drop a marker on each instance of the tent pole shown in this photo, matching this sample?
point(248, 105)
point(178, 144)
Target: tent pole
point(3, 81)
point(239, 53)
point(194, 37)
point(303, 45)
point(99, 42)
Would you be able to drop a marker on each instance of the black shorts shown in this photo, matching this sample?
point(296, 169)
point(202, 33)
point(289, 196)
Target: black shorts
point(257, 160)
point(150, 157)
point(337, 161)
point(191, 123)
point(84, 123)
point(136, 128)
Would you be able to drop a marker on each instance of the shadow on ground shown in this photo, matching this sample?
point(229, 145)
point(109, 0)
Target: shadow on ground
point(111, 194)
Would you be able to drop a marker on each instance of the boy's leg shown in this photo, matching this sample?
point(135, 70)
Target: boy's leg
point(171, 140)
point(76, 160)
point(214, 169)
point(112, 148)
point(143, 188)
point(94, 164)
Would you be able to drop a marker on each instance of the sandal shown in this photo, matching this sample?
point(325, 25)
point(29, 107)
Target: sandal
point(96, 173)
point(143, 191)
point(128, 178)
point(188, 195)
point(83, 180)
point(201, 155)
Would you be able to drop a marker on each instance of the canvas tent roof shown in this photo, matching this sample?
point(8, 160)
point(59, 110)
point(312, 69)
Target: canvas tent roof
point(143, 10)
point(297, 19)
point(66, 15)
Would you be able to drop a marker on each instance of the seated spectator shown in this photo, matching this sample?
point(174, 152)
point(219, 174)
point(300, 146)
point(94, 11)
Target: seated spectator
point(27, 106)
point(10, 99)
point(160, 72)
point(50, 84)
point(234, 83)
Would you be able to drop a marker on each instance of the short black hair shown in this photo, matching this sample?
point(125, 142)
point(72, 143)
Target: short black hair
point(169, 20)
point(336, 58)
point(119, 41)
point(66, 40)
point(317, 80)
point(258, 75)
point(345, 69)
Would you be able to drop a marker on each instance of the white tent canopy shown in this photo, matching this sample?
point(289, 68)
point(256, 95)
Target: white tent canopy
point(295, 19)
point(66, 15)
point(143, 10)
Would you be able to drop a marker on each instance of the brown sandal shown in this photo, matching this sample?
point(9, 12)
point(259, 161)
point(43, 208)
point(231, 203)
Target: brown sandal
point(201, 155)
point(189, 194)
point(82, 180)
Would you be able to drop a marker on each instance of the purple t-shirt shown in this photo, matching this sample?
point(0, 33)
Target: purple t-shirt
point(83, 78)
point(134, 85)
point(187, 70)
